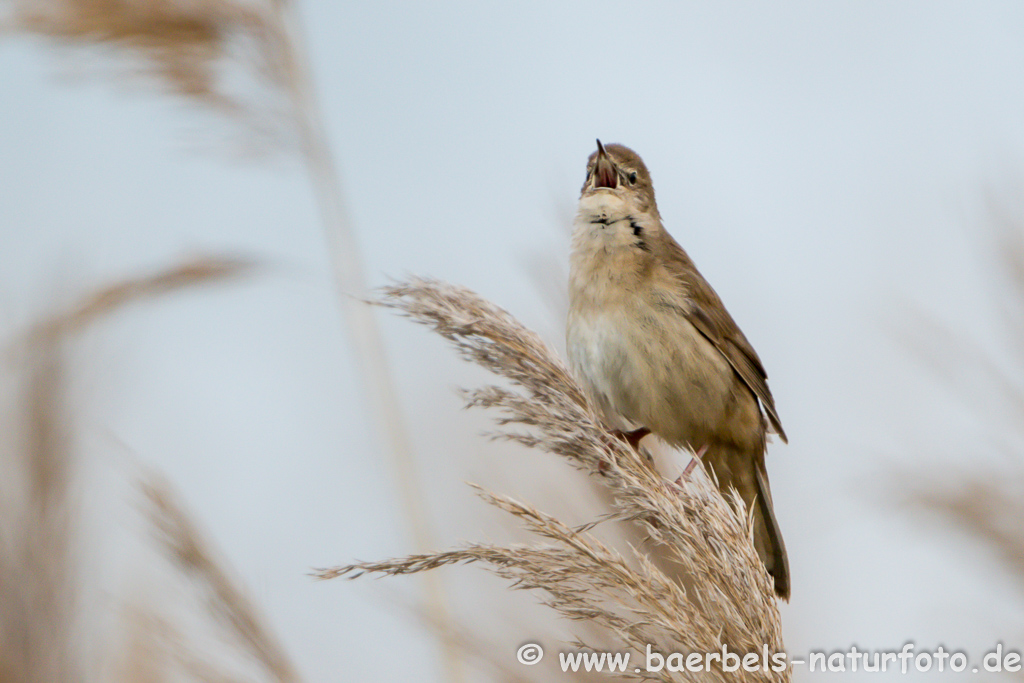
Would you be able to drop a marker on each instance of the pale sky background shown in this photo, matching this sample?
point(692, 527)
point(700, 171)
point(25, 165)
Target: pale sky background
point(827, 165)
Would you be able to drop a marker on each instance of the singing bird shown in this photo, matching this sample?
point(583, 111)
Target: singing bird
point(653, 345)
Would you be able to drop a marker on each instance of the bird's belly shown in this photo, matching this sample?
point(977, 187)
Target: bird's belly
point(655, 369)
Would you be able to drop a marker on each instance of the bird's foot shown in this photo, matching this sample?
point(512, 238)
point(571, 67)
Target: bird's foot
point(633, 437)
point(685, 476)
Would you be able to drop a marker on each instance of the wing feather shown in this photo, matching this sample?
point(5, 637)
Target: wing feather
point(708, 314)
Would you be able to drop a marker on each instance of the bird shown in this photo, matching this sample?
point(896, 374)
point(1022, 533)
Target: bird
point(653, 345)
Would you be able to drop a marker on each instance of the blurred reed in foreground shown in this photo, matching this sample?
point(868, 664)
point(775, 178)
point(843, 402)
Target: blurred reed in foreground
point(728, 598)
point(44, 634)
point(248, 60)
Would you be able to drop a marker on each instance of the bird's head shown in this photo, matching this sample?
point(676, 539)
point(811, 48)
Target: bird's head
point(620, 171)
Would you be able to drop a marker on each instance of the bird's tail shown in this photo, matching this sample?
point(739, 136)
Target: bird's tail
point(739, 470)
point(774, 554)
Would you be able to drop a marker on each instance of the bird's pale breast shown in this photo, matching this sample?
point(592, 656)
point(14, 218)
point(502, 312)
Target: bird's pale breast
point(649, 365)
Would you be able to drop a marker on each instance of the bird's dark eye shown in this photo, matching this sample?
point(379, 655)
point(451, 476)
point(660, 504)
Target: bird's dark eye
point(632, 178)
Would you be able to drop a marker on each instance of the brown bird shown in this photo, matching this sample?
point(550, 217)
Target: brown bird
point(653, 345)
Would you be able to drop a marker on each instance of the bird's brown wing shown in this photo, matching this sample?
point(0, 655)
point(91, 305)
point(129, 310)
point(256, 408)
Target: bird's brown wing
point(708, 314)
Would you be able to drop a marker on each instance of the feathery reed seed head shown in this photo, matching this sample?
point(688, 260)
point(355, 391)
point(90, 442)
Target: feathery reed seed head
point(729, 599)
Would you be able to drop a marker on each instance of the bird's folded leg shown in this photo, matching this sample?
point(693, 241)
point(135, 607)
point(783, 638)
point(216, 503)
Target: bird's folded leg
point(685, 476)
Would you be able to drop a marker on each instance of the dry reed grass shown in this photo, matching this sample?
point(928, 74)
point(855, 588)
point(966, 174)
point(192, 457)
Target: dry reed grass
point(728, 599)
point(982, 503)
point(229, 56)
point(226, 602)
point(248, 59)
point(37, 527)
point(43, 636)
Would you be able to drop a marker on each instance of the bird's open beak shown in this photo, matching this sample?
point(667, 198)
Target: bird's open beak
point(605, 173)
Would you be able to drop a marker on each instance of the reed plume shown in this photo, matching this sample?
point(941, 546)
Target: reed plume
point(982, 502)
point(227, 603)
point(39, 526)
point(247, 59)
point(728, 598)
point(228, 56)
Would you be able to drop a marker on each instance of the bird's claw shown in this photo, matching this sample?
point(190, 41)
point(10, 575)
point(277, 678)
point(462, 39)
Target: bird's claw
point(632, 438)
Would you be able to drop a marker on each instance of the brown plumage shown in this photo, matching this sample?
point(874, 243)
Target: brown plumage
point(655, 347)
